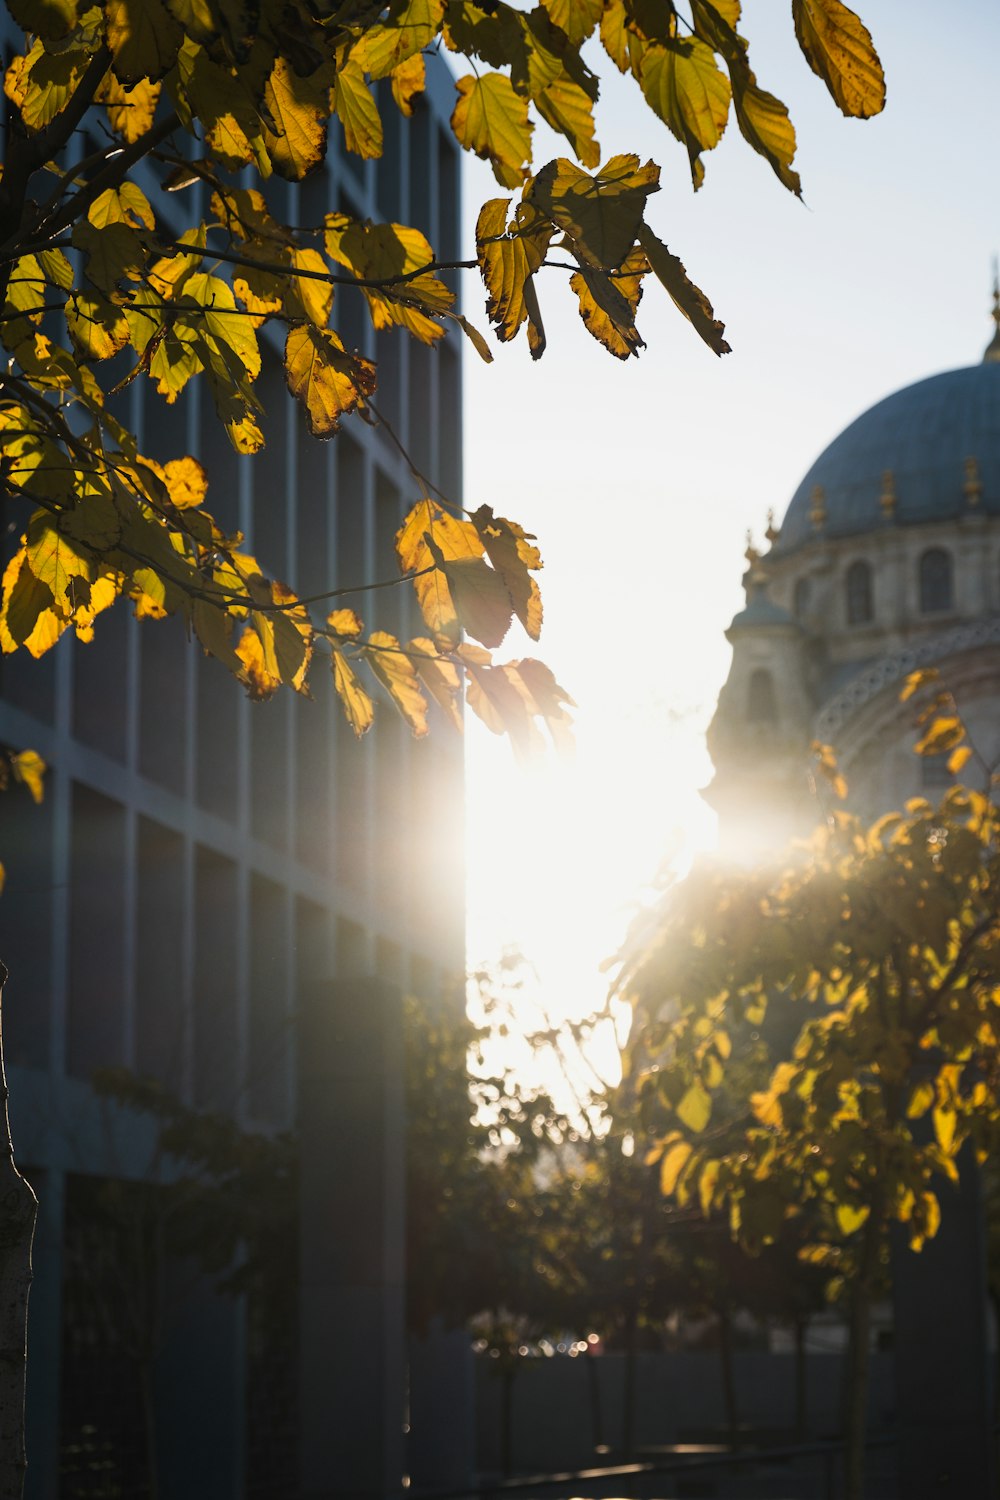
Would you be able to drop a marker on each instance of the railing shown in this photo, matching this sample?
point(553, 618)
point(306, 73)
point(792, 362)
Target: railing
point(692, 1462)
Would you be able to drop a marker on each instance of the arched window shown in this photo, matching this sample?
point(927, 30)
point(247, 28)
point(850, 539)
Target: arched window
point(800, 599)
point(859, 593)
point(935, 581)
point(762, 706)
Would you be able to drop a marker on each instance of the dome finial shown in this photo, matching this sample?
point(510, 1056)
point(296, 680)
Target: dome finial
point(992, 354)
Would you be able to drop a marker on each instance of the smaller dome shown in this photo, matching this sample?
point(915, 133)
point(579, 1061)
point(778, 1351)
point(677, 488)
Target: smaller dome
point(760, 610)
point(922, 436)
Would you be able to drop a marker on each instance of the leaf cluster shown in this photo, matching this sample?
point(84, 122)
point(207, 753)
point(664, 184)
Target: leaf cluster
point(106, 279)
point(820, 1040)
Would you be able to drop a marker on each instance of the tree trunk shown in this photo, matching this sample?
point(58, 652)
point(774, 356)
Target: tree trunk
point(18, 1209)
point(728, 1377)
point(858, 1362)
point(801, 1393)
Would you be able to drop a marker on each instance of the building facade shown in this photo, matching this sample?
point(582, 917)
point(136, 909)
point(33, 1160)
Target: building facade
point(200, 861)
point(888, 560)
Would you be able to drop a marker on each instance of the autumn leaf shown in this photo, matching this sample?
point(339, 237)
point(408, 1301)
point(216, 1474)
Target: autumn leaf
point(511, 551)
point(482, 604)
point(29, 769)
point(839, 49)
point(453, 539)
point(684, 85)
point(439, 677)
point(143, 39)
point(695, 1108)
point(687, 297)
point(327, 380)
point(356, 703)
point(508, 258)
point(357, 112)
point(397, 674)
point(600, 214)
point(492, 120)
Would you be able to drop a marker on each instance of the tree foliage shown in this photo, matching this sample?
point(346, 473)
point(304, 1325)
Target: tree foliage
point(104, 279)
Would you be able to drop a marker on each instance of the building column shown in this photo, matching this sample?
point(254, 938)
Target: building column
point(352, 1256)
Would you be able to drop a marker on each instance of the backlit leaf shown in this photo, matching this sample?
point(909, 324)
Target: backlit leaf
point(327, 380)
point(600, 214)
point(453, 538)
point(398, 676)
point(355, 107)
point(409, 80)
point(850, 1217)
point(608, 305)
point(695, 1108)
point(29, 769)
point(765, 124)
point(672, 1165)
point(439, 677)
point(492, 120)
point(482, 604)
point(357, 705)
point(511, 551)
point(685, 87)
point(839, 49)
point(687, 297)
point(508, 259)
point(130, 110)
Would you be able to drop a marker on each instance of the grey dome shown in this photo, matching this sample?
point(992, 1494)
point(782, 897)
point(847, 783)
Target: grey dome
point(924, 435)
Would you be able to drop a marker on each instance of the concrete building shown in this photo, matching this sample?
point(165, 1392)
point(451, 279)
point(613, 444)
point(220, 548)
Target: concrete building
point(202, 865)
point(888, 560)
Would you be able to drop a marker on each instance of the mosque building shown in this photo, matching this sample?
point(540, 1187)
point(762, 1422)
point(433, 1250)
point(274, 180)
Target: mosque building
point(887, 561)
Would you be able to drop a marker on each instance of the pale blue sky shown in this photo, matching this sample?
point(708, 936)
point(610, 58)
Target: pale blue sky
point(641, 479)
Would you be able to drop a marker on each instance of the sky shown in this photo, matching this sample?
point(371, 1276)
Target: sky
point(640, 479)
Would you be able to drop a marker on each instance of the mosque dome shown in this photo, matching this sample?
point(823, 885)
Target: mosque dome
point(920, 455)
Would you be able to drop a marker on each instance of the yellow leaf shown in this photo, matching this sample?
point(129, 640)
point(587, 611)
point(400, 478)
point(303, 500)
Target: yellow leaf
point(764, 122)
point(409, 80)
point(130, 111)
point(920, 1101)
point(839, 49)
point(314, 296)
point(932, 1214)
point(186, 481)
point(406, 28)
point(944, 733)
point(98, 328)
point(600, 214)
point(849, 1218)
point(356, 703)
point(298, 108)
point(27, 617)
point(608, 305)
point(482, 604)
point(326, 379)
point(258, 673)
point(507, 260)
point(345, 623)
point(959, 758)
point(568, 108)
point(143, 39)
point(577, 18)
point(398, 676)
point(509, 548)
point(687, 298)
point(440, 677)
point(546, 699)
point(126, 204)
point(672, 1165)
point(391, 253)
point(706, 1186)
point(695, 1108)
point(29, 768)
point(357, 112)
point(42, 83)
point(454, 539)
point(492, 120)
point(685, 87)
point(917, 680)
point(945, 1124)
